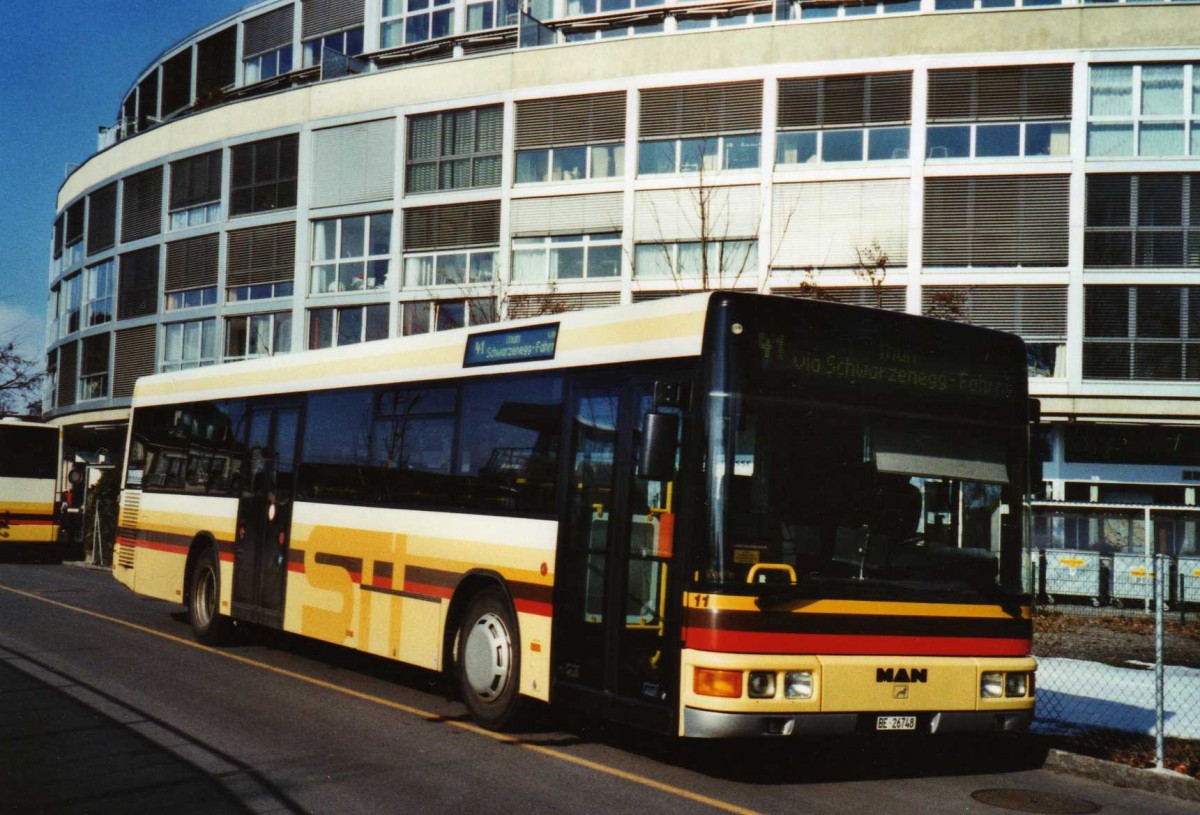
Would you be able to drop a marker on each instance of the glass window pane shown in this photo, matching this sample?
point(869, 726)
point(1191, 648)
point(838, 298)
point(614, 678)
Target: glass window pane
point(451, 270)
point(320, 328)
point(323, 279)
point(1111, 90)
point(689, 259)
point(283, 333)
point(531, 166)
point(1162, 90)
point(842, 145)
point(483, 266)
point(416, 318)
point(418, 271)
point(739, 259)
point(698, 154)
point(381, 233)
point(350, 276)
point(795, 148)
point(481, 310)
point(949, 142)
point(350, 325)
point(324, 240)
point(451, 315)
point(604, 261)
point(354, 235)
point(377, 322)
point(656, 157)
point(566, 263)
point(1110, 140)
point(652, 260)
point(377, 273)
point(570, 163)
point(529, 265)
point(887, 143)
point(235, 337)
point(1048, 139)
point(741, 152)
point(997, 140)
point(1160, 139)
point(608, 160)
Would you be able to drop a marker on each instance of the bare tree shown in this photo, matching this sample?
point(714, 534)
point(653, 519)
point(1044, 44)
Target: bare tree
point(872, 268)
point(20, 380)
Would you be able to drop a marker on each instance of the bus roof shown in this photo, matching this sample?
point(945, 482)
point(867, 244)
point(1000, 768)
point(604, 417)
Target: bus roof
point(13, 421)
point(672, 327)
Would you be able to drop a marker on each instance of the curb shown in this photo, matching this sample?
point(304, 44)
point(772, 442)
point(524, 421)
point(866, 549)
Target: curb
point(1163, 782)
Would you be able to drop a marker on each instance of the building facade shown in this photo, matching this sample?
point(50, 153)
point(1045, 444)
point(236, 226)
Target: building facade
point(309, 173)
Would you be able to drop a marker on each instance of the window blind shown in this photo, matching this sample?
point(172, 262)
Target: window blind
point(74, 224)
point(826, 224)
point(453, 226)
point(141, 205)
point(1026, 310)
point(354, 164)
point(135, 358)
point(565, 120)
point(261, 254)
point(192, 262)
point(1024, 92)
point(137, 287)
point(196, 180)
point(996, 221)
point(700, 110)
point(319, 17)
point(266, 32)
point(698, 213)
point(858, 100)
point(68, 356)
point(216, 62)
point(102, 219)
point(566, 215)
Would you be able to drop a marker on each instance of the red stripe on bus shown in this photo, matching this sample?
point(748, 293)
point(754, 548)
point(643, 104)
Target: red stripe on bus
point(429, 591)
point(296, 566)
point(748, 642)
point(533, 607)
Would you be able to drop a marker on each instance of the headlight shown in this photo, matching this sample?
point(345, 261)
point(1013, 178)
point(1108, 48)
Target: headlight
point(991, 685)
point(761, 685)
point(798, 685)
point(1015, 684)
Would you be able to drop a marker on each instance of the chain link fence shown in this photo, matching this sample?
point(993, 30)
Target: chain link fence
point(1117, 631)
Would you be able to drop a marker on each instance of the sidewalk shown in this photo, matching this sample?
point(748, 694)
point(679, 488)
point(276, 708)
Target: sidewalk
point(59, 755)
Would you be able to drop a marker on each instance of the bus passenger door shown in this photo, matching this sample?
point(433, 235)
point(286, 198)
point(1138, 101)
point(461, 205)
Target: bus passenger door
point(611, 648)
point(264, 520)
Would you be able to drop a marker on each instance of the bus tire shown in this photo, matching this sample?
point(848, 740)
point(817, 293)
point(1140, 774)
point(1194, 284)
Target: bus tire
point(204, 600)
point(489, 661)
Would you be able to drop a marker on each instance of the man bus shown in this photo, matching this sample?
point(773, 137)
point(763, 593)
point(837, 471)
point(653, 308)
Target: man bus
point(714, 515)
point(30, 468)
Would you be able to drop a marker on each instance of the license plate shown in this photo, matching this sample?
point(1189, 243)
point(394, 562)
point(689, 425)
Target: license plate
point(896, 723)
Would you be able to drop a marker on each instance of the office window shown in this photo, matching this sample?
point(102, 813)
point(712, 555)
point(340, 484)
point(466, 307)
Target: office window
point(1004, 112)
point(570, 138)
point(329, 327)
point(350, 254)
point(267, 44)
point(191, 298)
point(348, 42)
point(258, 335)
point(141, 205)
point(259, 291)
point(730, 261)
point(137, 283)
point(1142, 332)
point(408, 21)
point(566, 257)
point(195, 197)
point(468, 267)
point(1142, 220)
point(70, 304)
point(455, 149)
point(491, 14)
point(177, 82)
point(825, 10)
point(102, 219)
point(190, 344)
point(353, 164)
point(1150, 110)
point(191, 273)
point(98, 304)
point(700, 128)
point(263, 175)
point(260, 262)
point(73, 234)
point(216, 64)
point(860, 117)
point(93, 367)
point(424, 316)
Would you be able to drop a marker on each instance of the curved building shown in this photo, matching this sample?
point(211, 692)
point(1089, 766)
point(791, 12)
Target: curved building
point(308, 173)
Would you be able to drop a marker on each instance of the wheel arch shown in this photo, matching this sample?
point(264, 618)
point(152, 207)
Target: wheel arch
point(201, 542)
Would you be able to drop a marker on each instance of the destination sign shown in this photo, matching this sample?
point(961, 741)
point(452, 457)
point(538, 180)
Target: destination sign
point(511, 345)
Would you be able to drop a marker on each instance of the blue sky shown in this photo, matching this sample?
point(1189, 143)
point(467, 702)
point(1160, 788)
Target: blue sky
point(65, 65)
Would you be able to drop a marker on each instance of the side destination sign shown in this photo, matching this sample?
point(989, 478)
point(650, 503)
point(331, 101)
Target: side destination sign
point(511, 345)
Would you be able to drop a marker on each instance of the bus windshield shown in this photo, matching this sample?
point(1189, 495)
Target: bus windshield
point(28, 452)
point(853, 453)
point(817, 493)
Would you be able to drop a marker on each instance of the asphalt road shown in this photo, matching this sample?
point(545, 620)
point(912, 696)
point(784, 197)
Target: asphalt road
point(107, 705)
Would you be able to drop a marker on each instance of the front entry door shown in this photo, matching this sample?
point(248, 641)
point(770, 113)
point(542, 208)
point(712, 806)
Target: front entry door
point(610, 639)
point(264, 520)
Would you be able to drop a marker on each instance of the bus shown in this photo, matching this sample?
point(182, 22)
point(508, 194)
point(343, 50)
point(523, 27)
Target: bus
point(30, 471)
point(713, 515)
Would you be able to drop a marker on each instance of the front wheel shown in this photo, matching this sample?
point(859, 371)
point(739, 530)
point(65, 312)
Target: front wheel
point(208, 626)
point(489, 661)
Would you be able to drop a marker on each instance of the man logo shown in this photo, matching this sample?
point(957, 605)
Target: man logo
point(920, 675)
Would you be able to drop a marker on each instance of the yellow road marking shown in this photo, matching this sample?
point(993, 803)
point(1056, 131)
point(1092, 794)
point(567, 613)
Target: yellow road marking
point(414, 711)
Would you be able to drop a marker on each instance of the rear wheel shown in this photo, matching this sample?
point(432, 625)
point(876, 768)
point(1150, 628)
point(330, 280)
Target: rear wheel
point(489, 661)
point(204, 597)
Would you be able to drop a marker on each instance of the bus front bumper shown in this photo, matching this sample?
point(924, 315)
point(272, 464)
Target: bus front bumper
point(709, 724)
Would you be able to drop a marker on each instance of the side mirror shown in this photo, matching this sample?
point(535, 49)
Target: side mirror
point(657, 459)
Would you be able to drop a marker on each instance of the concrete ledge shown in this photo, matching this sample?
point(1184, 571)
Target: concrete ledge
point(1163, 782)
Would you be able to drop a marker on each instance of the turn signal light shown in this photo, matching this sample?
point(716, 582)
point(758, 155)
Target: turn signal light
point(712, 682)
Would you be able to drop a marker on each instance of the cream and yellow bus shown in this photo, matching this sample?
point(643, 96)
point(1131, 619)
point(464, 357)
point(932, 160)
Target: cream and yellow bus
point(30, 471)
point(716, 515)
